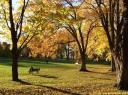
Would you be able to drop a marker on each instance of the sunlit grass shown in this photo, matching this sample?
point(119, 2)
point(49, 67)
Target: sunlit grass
point(58, 79)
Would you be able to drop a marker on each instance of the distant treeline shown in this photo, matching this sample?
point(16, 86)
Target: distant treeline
point(5, 49)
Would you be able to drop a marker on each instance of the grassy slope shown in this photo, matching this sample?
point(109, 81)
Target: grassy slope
point(58, 79)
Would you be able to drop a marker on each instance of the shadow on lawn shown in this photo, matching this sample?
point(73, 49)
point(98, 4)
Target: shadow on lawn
point(23, 82)
point(47, 76)
point(98, 72)
point(49, 87)
point(59, 90)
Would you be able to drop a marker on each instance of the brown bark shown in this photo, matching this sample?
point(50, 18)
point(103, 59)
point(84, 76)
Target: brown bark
point(83, 62)
point(113, 68)
point(118, 39)
point(16, 29)
point(123, 78)
point(14, 45)
point(15, 61)
point(15, 68)
point(122, 74)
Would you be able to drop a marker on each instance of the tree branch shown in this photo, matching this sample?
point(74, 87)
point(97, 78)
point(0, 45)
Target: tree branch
point(5, 17)
point(19, 24)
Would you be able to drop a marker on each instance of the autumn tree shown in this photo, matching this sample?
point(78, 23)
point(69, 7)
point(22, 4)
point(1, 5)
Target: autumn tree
point(115, 26)
point(65, 14)
point(19, 37)
point(75, 28)
point(50, 45)
point(98, 48)
point(107, 12)
point(123, 64)
point(45, 13)
point(44, 46)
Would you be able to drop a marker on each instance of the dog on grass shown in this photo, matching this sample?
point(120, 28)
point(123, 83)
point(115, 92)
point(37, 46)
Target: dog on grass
point(33, 69)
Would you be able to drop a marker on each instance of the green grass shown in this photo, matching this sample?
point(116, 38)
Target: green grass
point(58, 79)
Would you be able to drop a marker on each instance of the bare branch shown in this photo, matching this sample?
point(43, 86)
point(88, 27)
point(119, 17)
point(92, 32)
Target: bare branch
point(12, 24)
point(5, 17)
point(19, 24)
point(92, 26)
point(26, 41)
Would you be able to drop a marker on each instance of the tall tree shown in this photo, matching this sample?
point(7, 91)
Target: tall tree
point(65, 14)
point(15, 25)
point(15, 28)
point(115, 26)
point(109, 12)
point(123, 62)
point(75, 29)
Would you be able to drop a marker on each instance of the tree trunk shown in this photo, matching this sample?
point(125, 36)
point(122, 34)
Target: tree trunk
point(67, 52)
point(123, 78)
point(83, 64)
point(122, 73)
point(113, 68)
point(14, 62)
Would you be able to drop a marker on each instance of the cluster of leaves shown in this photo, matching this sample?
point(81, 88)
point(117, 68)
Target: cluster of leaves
point(47, 45)
point(59, 14)
point(45, 17)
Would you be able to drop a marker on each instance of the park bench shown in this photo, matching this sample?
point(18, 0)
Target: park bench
point(33, 69)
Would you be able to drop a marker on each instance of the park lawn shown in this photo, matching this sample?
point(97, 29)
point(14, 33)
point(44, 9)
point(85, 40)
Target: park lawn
point(57, 78)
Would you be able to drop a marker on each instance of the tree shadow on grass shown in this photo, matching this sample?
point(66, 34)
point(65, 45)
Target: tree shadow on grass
point(47, 76)
point(24, 82)
point(98, 72)
point(49, 87)
point(59, 90)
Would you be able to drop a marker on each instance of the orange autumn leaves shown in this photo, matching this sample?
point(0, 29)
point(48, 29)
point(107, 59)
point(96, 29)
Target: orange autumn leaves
point(47, 45)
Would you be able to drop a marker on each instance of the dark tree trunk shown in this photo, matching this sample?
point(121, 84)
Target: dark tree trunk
point(16, 31)
point(123, 78)
point(14, 62)
point(113, 68)
point(15, 68)
point(83, 64)
point(123, 70)
point(122, 74)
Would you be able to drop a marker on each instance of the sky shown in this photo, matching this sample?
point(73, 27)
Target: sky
point(15, 4)
point(2, 38)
